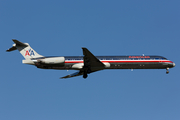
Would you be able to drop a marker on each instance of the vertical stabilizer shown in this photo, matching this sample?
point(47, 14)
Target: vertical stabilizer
point(25, 49)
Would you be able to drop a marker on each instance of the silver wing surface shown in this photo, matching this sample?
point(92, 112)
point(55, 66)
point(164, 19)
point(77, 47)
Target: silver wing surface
point(90, 60)
point(91, 64)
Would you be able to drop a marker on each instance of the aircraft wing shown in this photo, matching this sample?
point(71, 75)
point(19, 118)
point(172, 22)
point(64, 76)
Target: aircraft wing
point(90, 63)
point(90, 60)
point(73, 75)
point(81, 72)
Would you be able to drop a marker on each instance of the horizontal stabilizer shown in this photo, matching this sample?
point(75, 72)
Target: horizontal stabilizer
point(11, 49)
point(25, 49)
point(19, 43)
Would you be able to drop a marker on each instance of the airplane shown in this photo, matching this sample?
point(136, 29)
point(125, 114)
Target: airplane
point(89, 63)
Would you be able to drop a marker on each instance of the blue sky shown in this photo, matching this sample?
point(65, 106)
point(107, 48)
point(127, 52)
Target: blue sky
point(61, 28)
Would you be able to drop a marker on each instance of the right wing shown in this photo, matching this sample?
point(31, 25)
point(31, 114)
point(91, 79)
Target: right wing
point(80, 72)
point(73, 75)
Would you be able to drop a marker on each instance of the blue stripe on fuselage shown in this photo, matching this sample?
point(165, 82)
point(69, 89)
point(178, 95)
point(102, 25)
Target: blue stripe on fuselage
point(133, 57)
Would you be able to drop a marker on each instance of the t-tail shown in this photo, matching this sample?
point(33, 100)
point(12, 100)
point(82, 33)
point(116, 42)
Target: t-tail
point(24, 48)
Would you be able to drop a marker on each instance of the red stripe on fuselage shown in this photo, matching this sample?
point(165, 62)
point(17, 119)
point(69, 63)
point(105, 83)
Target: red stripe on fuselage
point(124, 61)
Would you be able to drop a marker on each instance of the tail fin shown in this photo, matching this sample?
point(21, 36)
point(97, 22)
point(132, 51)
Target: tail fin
point(25, 49)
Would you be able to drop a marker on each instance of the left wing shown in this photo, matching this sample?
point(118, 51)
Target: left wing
point(91, 64)
point(90, 60)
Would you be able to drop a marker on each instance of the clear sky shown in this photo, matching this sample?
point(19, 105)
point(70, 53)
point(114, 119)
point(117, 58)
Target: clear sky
point(61, 28)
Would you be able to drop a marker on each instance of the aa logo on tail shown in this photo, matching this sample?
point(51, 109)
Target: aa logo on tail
point(29, 52)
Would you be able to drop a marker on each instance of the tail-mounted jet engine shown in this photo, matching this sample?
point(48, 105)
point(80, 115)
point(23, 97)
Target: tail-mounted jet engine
point(49, 62)
point(54, 60)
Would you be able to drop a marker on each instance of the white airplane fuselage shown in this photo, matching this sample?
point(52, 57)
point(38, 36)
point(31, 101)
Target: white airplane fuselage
point(89, 63)
point(110, 62)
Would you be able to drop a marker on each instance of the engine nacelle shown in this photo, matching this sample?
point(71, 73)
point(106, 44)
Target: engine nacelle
point(53, 60)
point(78, 66)
point(106, 64)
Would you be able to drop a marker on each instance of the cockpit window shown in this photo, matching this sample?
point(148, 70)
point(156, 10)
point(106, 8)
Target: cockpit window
point(164, 58)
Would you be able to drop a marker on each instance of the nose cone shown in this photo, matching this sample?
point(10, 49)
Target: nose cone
point(174, 64)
